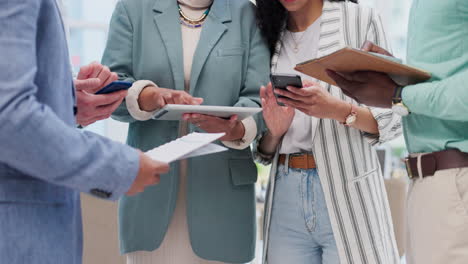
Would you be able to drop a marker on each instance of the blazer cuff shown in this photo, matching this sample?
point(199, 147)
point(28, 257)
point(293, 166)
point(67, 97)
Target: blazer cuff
point(249, 135)
point(132, 100)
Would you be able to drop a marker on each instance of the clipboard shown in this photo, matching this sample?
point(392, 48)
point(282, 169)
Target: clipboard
point(174, 112)
point(349, 60)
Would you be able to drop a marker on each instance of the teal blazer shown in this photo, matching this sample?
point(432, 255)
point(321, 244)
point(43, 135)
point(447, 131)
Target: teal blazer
point(230, 64)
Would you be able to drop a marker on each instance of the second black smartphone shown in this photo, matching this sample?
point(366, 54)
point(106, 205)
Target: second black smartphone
point(281, 81)
point(114, 87)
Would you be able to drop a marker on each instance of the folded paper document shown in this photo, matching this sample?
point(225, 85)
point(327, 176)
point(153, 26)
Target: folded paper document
point(191, 145)
point(351, 60)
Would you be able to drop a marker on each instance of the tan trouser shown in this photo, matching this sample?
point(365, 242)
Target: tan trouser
point(438, 219)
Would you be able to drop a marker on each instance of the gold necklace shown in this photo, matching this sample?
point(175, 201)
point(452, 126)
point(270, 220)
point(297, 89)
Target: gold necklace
point(193, 21)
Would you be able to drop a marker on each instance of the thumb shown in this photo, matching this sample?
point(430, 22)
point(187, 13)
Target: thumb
point(160, 102)
point(308, 83)
point(197, 100)
point(371, 47)
point(90, 85)
point(160, 167)
point(262, 92)
point(367, 46)
point(233, 118)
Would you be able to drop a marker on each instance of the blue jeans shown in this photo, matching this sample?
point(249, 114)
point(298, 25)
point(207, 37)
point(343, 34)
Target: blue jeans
point(300, 230)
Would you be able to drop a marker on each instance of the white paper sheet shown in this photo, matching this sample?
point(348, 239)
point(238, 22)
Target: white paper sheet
point(208, 149)
point(191, 145)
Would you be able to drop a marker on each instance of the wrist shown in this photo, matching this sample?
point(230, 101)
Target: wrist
point(398, 106)
point(238, 132)
point(274, 137)
point(267, 145)
point(343, 110)
point(147, 100)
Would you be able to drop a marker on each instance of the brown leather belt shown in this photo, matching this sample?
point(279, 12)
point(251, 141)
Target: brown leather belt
point(432, 162)
point(303, 161)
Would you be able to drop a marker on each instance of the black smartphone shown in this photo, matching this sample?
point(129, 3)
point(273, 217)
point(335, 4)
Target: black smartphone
point(114, 87)
point(281, 81)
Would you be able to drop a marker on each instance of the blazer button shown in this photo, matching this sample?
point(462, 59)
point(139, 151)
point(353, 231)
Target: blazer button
point(101, 194)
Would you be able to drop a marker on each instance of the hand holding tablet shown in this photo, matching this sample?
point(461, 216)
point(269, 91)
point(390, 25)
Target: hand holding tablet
point(349, 60)
point(211, 119)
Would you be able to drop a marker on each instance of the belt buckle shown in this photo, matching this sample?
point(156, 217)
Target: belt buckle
point(294, 155)
point(408, 169)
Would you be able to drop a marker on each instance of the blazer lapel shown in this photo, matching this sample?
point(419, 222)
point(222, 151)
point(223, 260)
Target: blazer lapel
point(329, 41)
point(213, 30)
point(166, 19)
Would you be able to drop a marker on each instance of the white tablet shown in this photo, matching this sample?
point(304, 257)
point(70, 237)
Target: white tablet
point(175, 112)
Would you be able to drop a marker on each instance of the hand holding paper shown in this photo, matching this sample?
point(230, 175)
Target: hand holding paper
point(148, 174)
point(155, 162)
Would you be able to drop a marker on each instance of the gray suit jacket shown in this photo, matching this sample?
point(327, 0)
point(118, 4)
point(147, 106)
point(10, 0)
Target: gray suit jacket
point(230, 64)
point(44, 160)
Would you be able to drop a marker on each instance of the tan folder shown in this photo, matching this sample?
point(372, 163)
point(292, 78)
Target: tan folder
point(351, 60)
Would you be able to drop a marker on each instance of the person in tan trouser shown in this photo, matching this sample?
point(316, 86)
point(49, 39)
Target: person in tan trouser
point(441, 226)
point(436, 128)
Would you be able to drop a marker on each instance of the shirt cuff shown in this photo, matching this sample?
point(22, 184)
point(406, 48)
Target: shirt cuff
point(249, 135)
point(132, 100)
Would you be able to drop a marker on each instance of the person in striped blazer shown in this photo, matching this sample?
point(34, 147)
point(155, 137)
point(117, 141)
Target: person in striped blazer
point(326, 199)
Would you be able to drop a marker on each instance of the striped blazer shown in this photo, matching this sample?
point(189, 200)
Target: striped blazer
point(347, 163)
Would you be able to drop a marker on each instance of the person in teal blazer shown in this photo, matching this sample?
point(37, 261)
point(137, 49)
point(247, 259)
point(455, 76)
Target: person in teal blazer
point(146, 45)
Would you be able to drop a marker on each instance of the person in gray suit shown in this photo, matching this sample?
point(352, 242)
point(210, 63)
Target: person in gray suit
point(45, 161)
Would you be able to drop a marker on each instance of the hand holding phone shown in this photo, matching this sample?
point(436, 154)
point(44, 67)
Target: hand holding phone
point(282, 81)
point(98, 106)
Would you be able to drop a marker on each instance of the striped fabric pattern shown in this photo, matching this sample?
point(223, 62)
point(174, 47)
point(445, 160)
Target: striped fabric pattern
point(347, 163)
